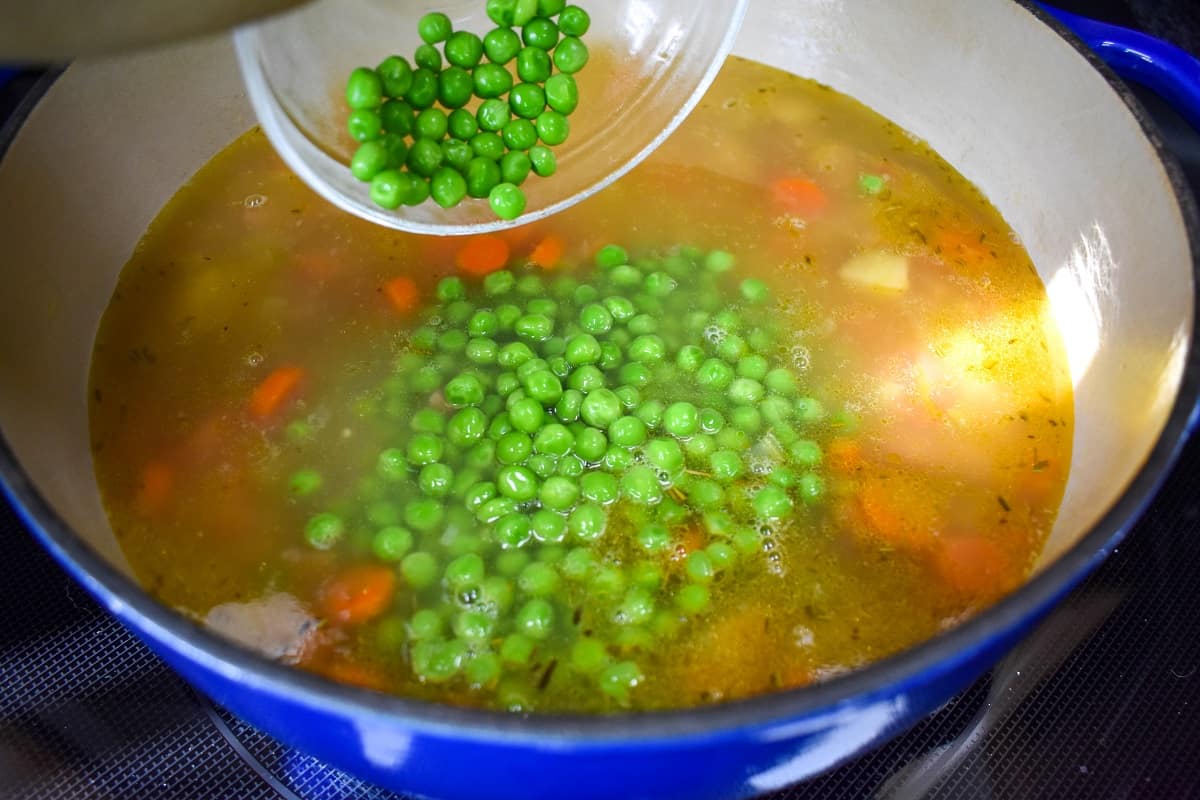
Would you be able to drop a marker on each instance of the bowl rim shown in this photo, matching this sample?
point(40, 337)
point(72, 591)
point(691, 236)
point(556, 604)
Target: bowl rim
point(873, 683)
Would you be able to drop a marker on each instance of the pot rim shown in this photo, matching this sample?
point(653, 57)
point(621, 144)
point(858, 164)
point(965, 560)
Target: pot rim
point(874, 683)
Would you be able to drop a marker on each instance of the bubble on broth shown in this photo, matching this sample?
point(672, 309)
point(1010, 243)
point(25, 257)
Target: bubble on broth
point(254, 359)
point(255, 200)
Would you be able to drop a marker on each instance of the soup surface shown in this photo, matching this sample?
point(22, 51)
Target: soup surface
point(781, 402)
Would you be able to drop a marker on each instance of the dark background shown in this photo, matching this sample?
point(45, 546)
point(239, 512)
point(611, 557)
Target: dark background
point(1102, 701)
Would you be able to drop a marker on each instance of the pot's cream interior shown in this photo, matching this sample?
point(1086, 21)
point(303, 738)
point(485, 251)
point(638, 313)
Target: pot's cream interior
point(1014, 108)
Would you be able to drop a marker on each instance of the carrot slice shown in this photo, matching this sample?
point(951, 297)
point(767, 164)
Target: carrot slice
point(358, 594)
point(549, 252)
point(403, 294)
point(958, 244)
point(844, 456)
point(274, 391)
point(155, 486)
point(483, 255)
point(973, 566)
point(352, 674)
point(800, 196)
point(898, 516)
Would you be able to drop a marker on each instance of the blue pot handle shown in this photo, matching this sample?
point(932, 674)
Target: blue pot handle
point(1171, 72)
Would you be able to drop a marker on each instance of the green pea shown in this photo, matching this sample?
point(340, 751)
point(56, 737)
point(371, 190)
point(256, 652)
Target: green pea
point(719, 261)
point(431, 124)
point(571, 55)
point(650, 412)
point(600, 408)
point(627, 432)
point(747, 418)
point(464, 49)
point(324, 530)
point(721, 555)
point(536, 619)
point(647, 349)
point(491, 116)
point(391, 465)
point(538, 580)
point(745, 391)
point(543, 161)
point(423, 91)
point(464, 572)
point(519, 134)
point(699, 567)
point(587, 522)
point(487, 144)
point(395, 76)
point(515, 167)
point(554, 440)
point(364, 125)
point(304, 482)
point(548, 526)
point(424, 514)
point(513, 447)
point(616, 680)
point(499, 283)
point(726, 465)
point(700, 447)
point(368, 160)
point(420, 569)
point(507, 201)
point(595, 319)
point(805, 453)
point(782, 382)
point(574, 21)
point(527, 100)
point(495, 595)
point(386, 191)
point(810, 488)
point(755, 291)
point(681, 419)
point(653, 538)
point(582, 349)
point(589, 656)
point(540, 33)
point(542, 466)
point(599, 487)
point(664, 455)
point(434, 27)
point(636, 608)
point(591, 444)
point(558, 493)
point(381, 513)
point(501, 45)
point(481, 454)
point(810, 410)
point(534, 65)
point(625, 276)
point(517, 482)
point(752, 366)
point(512, 530)
point(640, 484)
point(364, 89)
point(569, 404)
point(517, 649)
point(544, 387)
point(607, 581)
point(617, 458)
point(711, 420)
point(435, 480)
point(553, 128)
point(586, 379)
point(495, 509)
point(424, 448)
point(577, 565)
point(425, 624)
point(693, 598)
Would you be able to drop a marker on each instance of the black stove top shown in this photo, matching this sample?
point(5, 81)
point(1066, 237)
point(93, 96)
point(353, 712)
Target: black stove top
point(1102, 701)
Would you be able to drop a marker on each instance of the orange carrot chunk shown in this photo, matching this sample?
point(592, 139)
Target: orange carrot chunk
point(973, 566)
point(482, 255)
point(800, 196)
point(548, 253)
point(403, 294)
point(358, 594)
point(270, 395)
point(155, 486)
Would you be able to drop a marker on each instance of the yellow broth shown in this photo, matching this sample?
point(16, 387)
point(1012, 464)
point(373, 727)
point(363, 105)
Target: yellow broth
point(908, 309)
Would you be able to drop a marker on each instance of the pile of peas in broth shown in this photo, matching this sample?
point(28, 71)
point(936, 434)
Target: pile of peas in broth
point(593, 457)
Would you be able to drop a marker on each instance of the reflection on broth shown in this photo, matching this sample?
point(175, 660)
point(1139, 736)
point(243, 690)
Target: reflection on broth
point(273, 377)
